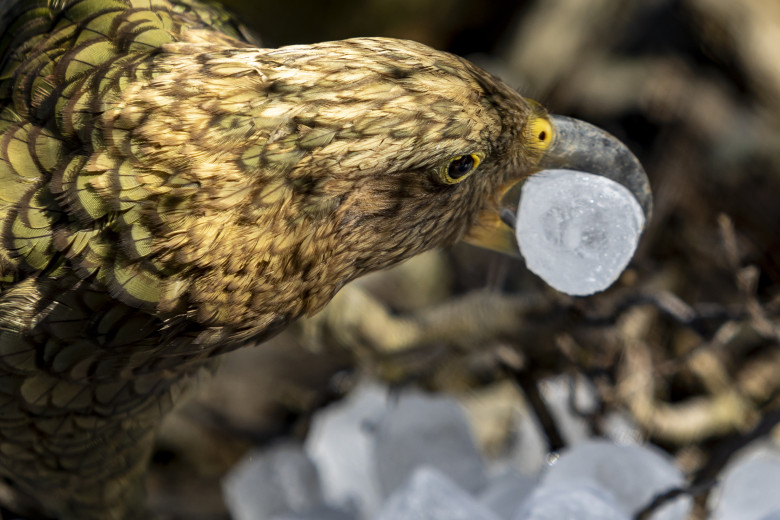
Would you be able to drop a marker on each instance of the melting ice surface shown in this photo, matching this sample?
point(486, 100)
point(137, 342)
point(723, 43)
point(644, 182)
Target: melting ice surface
point(577, 231)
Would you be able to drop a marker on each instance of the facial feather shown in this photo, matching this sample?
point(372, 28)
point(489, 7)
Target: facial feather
point(302, 167)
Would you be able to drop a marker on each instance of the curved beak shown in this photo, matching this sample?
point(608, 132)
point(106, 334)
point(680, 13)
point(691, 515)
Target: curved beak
point(576, 145)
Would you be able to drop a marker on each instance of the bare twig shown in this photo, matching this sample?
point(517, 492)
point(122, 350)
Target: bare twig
point(529, 386)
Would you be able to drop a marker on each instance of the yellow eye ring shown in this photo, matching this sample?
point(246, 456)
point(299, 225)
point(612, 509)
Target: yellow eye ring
point(540, 133)
point(460, 167)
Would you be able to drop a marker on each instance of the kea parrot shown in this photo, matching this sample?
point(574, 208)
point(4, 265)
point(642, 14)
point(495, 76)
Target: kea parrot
point(170, 191)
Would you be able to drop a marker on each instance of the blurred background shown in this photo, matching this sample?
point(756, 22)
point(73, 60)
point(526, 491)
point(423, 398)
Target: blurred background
point(685, 346)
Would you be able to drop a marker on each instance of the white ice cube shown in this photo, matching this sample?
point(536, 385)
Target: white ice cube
point(270, 482)
point(429, 495)
point(318, 513)
point(572, 500)
point(749, 488)
point(505, 491)
point(427, 430)
point(577, 230)
point(633, 475)
point(341, 444)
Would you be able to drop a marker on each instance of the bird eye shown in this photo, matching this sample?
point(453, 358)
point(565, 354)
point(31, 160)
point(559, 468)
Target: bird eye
point(458, 168)
point(541, 133)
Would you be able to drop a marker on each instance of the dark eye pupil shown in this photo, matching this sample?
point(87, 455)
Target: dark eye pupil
point(461, 166)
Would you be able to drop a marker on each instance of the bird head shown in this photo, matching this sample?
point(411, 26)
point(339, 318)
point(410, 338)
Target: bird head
point(291, 171)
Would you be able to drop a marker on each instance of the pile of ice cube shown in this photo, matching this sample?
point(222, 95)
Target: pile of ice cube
point(377, 456)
